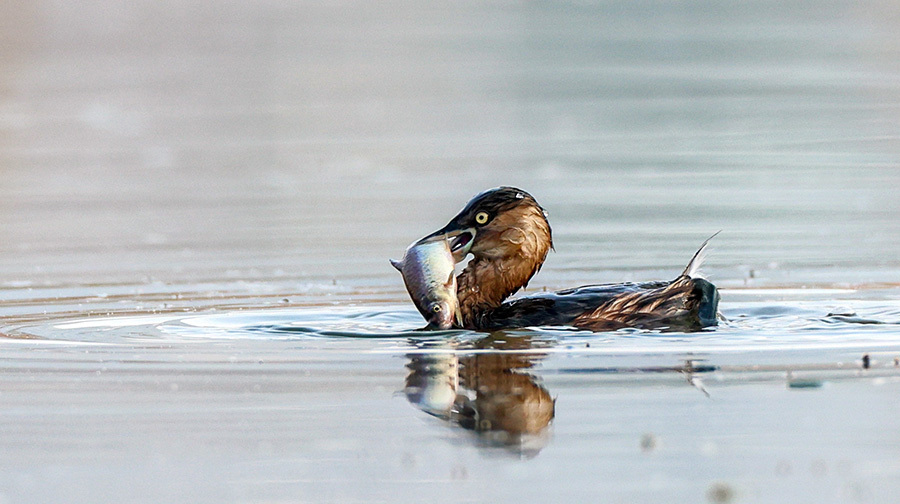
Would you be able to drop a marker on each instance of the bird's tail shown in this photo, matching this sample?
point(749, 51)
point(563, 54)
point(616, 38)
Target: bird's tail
point(693, 268)
point(704, 297)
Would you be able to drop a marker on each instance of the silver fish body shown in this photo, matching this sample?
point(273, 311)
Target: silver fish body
point(427, 269)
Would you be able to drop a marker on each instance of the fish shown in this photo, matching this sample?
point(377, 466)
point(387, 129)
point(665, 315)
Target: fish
point(427, 269)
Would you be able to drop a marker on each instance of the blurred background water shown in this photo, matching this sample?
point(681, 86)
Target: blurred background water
point(198, 202)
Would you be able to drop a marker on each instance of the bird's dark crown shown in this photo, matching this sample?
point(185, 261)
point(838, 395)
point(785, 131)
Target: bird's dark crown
point(495, 201)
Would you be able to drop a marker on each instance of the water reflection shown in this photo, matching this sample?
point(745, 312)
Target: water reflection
point(490, 393)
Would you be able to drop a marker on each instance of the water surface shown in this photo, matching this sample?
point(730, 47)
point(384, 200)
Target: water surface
point(199, 204)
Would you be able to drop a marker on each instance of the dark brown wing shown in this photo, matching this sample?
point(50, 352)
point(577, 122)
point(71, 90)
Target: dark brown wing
point(674, 306)
point(682, 304)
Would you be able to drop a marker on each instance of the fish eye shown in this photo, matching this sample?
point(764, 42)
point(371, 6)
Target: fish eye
point(436, 308)
point(481, 217)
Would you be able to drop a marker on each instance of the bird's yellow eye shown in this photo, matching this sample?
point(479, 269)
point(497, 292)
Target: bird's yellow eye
point(481, 217)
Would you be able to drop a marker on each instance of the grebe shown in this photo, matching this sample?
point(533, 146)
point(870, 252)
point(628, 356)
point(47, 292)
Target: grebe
point(508, 235)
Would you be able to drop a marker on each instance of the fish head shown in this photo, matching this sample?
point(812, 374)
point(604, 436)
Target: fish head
point(441, 313)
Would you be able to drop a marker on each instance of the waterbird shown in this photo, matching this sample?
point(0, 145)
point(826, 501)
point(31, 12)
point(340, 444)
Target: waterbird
point(508, 236)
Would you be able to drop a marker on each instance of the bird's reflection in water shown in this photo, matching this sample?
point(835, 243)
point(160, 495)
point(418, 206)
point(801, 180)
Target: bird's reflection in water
point(490, 393)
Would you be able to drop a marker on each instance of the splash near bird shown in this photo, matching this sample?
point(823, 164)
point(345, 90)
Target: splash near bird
point(507, 233)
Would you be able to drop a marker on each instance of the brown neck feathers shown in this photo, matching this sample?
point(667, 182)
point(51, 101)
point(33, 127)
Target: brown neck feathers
point(503, 264)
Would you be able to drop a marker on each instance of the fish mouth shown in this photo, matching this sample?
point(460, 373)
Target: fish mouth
point(440, 323)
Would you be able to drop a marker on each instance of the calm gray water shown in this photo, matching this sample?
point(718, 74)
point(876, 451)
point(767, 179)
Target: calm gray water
point(198, 203)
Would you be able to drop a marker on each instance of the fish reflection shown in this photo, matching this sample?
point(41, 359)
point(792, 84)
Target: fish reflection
point(492, 393)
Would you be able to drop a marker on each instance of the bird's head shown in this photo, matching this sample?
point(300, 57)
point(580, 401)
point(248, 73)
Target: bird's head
point(497, 224)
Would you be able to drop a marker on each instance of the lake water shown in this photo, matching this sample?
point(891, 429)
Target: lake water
point(198, 203)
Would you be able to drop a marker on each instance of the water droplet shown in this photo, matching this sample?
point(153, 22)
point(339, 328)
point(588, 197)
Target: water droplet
point(520, 196)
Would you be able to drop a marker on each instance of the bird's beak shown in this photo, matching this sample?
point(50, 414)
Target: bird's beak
point(460, 239)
